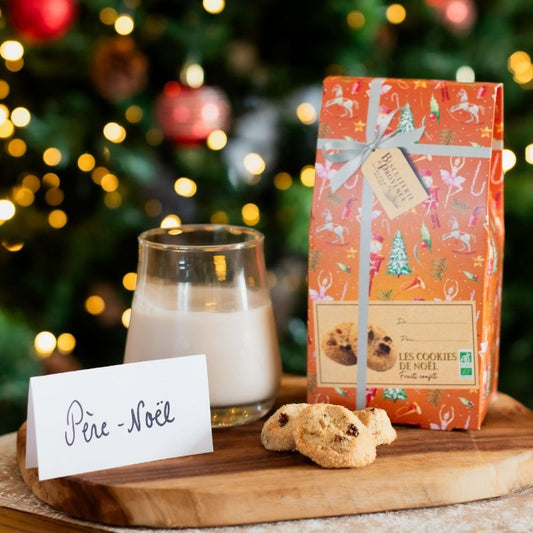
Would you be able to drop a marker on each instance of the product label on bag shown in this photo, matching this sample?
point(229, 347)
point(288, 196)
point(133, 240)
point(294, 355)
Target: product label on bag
point(118, 415)
point(393, 181)
point(410, 344)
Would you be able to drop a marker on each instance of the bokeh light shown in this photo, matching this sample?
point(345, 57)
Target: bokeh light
point(185, 187)
point(108, 15)
point(307, 175)
point(134, 114)
point(465, 74)
point(44, 343)
point(192, 74)
point(254, 163)
point(126, 317)
point(129, 281)
point(529, 153)
point(216, 140)
point(95, 304)
point(219, 217)
point(282, 181)
point(57, 219)
point(50, 179)
point(11, 50)
point(114, 132)
point(66, 342)
point(109, 182)
point(23, 196)
point(214, 6)
point(7, 210)
point(508, 159)
point(52, 156)
point(250, 214)
point(20, 117)
point(16, 147)
point(171, 221)
point(306, 113)
point(355, 19)
point(396, 13)
point(86, 162)
point(124, 24)
point(4, 89)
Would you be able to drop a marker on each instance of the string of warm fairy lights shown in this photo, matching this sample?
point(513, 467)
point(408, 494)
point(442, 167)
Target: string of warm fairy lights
point(458, 13)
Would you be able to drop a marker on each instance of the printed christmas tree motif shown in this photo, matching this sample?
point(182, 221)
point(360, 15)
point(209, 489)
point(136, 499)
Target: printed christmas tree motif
point(434, 396)
point(398, 264)
point(394, 394)
point(439, 267)
point(406, 122)
point(434, 111)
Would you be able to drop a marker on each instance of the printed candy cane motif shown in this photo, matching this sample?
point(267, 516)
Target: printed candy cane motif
point(493, 179)
point(472, 186)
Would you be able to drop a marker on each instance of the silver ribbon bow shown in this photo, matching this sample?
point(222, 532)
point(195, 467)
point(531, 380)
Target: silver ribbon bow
point(354, 153)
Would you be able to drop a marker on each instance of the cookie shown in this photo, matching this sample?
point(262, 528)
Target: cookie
point(337, 343)
point(277, 432)
point(378, 423)
point(333, 437)
point(382, 353)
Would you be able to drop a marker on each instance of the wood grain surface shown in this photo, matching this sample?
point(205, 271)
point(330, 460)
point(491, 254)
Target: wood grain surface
point(241, 482)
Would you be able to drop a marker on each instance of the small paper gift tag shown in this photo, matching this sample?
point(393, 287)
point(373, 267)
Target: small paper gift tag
point(393, 181)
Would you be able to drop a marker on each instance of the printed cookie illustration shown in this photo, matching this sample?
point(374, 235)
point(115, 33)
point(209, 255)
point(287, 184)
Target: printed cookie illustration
point(381, 351)
point(333, 437)
point(378, 423)
point(338, 343)
point(277, 432)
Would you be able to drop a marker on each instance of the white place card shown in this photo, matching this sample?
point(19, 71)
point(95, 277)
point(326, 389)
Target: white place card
point(118, 415)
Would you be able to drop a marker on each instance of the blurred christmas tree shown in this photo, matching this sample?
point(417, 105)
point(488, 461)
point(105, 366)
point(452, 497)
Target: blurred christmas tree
point(117, 116)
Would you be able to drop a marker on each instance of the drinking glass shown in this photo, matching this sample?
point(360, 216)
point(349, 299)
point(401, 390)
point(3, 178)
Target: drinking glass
point(202, 289)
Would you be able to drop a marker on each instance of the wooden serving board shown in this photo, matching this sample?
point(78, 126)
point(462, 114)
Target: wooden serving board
point(242, 483)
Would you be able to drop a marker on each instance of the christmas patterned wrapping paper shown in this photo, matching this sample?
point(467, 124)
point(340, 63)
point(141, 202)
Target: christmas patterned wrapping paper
point(405, 249)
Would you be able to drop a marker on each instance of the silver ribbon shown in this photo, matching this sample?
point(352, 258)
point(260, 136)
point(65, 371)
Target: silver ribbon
point(353, 154)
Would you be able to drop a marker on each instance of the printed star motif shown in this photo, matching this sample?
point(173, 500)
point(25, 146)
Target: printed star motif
point(478, 261)
point(420, 84)
point(499, 128)
point(485, 132)
point(359, 125)
point(351, 252)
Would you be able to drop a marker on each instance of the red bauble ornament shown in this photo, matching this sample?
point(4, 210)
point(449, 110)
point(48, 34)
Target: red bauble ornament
point(188, 116)
point(42, 20)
